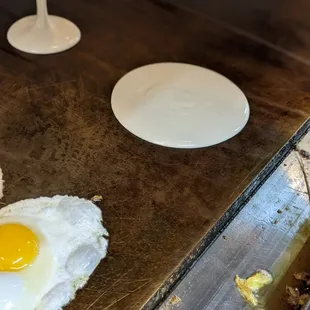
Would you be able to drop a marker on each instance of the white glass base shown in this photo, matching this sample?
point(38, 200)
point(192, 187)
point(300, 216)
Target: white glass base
point(58, 35)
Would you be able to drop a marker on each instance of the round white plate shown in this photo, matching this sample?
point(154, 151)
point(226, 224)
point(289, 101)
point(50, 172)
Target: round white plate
point(179, 105)
point(60, 35)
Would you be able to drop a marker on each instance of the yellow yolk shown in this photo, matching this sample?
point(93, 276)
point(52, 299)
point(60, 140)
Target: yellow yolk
point(19, 247)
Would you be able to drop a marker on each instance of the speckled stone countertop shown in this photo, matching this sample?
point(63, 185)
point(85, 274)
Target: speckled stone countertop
point(58, 134)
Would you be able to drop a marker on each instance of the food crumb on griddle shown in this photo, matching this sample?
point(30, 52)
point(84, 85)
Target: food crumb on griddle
point(175, 300)
point(297, 297)
point(96, 198)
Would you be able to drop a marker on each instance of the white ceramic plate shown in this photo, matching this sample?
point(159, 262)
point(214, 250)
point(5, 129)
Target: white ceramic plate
point(179, 105)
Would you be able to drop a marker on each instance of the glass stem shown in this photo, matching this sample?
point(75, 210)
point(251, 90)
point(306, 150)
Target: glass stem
point(42, 15)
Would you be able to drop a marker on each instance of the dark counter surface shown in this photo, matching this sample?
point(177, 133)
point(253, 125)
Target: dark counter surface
point(283, 25)
point(58, 134)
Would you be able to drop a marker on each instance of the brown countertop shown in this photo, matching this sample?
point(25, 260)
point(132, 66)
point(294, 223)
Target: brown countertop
point(58, 134)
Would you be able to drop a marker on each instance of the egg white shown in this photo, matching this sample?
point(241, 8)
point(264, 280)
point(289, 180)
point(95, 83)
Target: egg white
point(72, 243)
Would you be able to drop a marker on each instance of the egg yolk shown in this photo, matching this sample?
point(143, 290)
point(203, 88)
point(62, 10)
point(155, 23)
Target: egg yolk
point(19, 247)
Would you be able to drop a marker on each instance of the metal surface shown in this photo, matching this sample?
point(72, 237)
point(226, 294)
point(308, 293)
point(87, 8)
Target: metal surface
point(268, 234)
point(162, 207)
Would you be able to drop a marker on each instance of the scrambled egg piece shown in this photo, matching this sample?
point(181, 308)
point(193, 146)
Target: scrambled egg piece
point(250, 286)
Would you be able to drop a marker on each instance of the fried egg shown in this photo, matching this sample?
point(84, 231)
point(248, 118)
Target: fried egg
point(48, 249)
